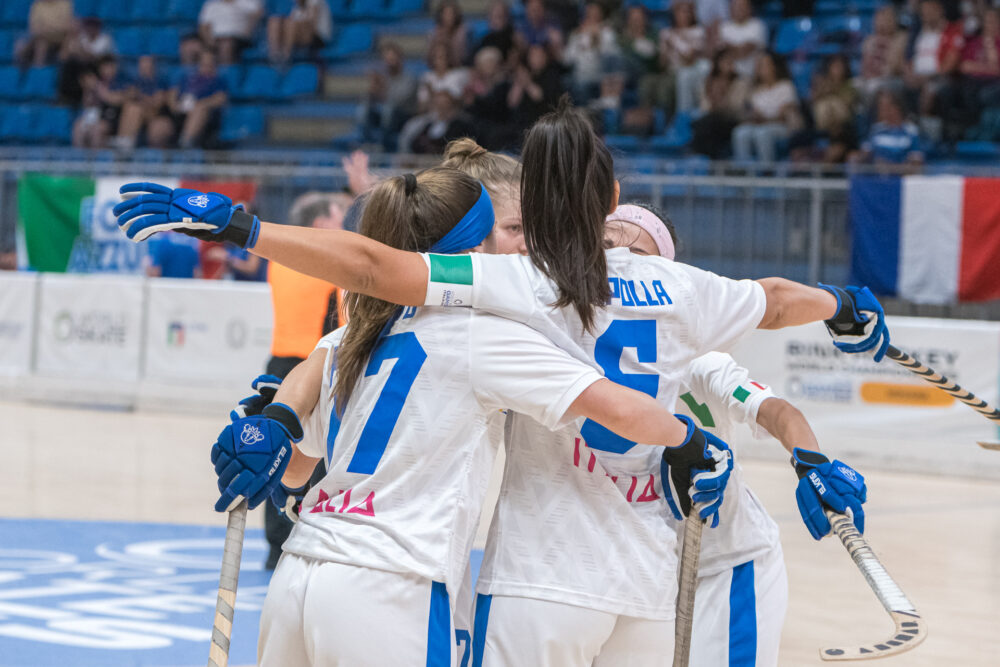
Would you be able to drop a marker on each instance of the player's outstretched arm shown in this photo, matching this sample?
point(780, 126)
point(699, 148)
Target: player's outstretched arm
point(630, 413)
point(300, 388)
point(786, 423)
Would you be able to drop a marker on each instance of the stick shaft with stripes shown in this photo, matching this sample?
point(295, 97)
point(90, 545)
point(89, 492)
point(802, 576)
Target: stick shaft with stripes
point(944, 384)
point(687, 581)
point(225, 604)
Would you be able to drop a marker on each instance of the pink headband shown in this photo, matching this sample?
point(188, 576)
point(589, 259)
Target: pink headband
point(649, 223)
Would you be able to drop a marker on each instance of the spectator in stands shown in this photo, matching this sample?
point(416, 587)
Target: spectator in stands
point(723, 103)
point(228, 26)
point(146, 107)
point(746, 34)
point(244, 266)
point(980, 67)
point(833, 103)
point(308, 26)
point(537, 27)
point(196, 104)
point(773, 111)
point(173, 255)
point(49, 23)
point(684, 46)
point(883, 54)
point(637, 43)
point(534, 91)
point(429, 133)
point(501, 30)
point(189, 50)
point(450, 30)
point(104, 93)
point(485, 98)
point(79, 53)
point(934, 54)
point(711, 13)
point(440, 74)
point(591, 53)
point(893, 139)
point(391, 99)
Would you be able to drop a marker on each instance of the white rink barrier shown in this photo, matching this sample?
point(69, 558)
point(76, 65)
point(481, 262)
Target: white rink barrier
point(130, 342)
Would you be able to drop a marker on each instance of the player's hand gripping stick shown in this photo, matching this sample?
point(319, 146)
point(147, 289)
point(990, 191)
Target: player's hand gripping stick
point(225, 604)
point(910, 627)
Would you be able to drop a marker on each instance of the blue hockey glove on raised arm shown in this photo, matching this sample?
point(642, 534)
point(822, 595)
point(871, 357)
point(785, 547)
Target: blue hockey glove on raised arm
point(251, 454)
point(205, 215)
point(266, 387)
point(859, 324)
point(696, 471)
point(822, 483)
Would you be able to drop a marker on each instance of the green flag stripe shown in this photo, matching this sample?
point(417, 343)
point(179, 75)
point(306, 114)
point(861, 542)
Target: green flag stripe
point(453, 269)
point(741, 394)
point(49, 213)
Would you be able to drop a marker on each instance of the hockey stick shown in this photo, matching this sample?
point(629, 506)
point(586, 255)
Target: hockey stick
point(949, 387)
point(218, 654)
point(687, 580)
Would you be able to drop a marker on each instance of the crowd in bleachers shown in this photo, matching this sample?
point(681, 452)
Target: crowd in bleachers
point(812, 80)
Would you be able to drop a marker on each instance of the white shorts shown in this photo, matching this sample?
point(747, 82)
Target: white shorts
point(324, 614)
point(738, 614)
point(513, 631)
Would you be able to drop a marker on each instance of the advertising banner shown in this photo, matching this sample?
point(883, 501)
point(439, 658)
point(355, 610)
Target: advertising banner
point(17, 312)
point(209, 332)
point(883, 410)
point(90, 327)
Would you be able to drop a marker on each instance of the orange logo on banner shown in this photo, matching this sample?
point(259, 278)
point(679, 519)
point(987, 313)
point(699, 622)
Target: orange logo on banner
point(904, 394)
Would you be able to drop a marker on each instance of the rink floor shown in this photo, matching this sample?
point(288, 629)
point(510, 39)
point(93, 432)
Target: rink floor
point(123, 565)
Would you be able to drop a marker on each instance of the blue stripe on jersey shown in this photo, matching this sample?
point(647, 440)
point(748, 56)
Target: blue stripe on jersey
point(742, 617)
point(439, 627)
point(479, 624)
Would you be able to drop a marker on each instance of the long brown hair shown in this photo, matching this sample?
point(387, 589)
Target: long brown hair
point(408, 221)
point(567, 189)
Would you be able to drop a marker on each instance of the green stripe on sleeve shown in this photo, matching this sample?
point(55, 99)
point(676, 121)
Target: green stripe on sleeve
point(741, 394)
point(452, 269)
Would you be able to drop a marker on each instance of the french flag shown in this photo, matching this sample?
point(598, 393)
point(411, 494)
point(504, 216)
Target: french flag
point(928, 239)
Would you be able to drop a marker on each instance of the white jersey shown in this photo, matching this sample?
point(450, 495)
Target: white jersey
point(580, 519)
point(719, 394)
point(409, 461)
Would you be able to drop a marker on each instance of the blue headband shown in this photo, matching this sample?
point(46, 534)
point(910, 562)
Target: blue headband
point(471, 230)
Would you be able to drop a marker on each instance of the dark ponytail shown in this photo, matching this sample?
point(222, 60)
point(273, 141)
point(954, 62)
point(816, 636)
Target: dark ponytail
point(567, 189)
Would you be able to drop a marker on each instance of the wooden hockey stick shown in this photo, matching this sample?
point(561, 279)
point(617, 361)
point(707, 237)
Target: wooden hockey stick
point(225, 604)
point(949, 387)
point(687, 580)
point(910, 627)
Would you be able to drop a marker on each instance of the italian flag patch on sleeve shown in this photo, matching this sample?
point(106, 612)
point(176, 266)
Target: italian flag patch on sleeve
point(450, 280)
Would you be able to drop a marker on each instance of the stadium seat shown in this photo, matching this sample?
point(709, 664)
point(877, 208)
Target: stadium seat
point(174, 74)
point(261, 81)
point(147, 11)
point(16, 122)
point(622, 142)
point(164, 42)
point(7, 40)
point(132, 41)
point(15, 12)
point(677, 136)
point(401, 7)
point(977, 151)
point(39, 83)
point(241, 122)
point(10, 80)
point(353, 39)
point(793, 34)
point(184, 10)
point(54, 124)
point(233, 77)
point(301, 79)
point(113, 12)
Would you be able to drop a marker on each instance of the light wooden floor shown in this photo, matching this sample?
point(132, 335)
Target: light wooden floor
point(938, 536)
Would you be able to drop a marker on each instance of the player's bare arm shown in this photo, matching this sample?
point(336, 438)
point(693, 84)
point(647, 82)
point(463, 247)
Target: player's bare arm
point(791, 304)
point(629, 413)
point(786, 423)
point(300, 388)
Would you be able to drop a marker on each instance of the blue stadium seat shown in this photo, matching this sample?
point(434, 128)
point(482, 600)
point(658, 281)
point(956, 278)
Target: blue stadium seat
point(401, 7)
point(241, 122)
point(301, 79)
point(233, 76)
point(279, 7)
point(184, 10)
point(7, 40)
point(261, 81)
point(132, 41)
point(340, 9)
point(174, 74)
point(15, 12)
point(16, 122)
point(85, 7)
point(677, 136)
point(147, 11)
point(114, 12)
point(622, 142)
point(353, 39)
point(802, 73)
point(793, 34)
point(54, 124)
point(39, 83)
point(10, 81)
point(164, 42)
point(977, 151)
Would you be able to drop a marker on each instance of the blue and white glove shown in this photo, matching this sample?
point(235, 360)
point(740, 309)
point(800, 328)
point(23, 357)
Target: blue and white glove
point(822, 483)
point(251, 454)
point(859, 324)
point(204, 215)
point(289, 501)
point(266, 387)
point(696, 471)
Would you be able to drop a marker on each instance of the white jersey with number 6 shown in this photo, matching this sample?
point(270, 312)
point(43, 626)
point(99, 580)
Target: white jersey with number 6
point(581, 519)
point(409, 461)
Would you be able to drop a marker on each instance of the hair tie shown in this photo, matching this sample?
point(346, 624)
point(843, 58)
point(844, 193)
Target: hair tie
point(409, 183)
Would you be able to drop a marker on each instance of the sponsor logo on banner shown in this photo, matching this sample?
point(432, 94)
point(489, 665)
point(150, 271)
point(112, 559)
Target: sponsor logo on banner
point(175, 334)
point(236, 334)
point(891, 393)
point(820, 388)
point(96, 327)
point(10, 329)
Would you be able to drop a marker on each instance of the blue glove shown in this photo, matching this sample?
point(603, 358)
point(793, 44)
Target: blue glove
point(859, 324)
point(289, 501)
point(266, 387)
point(251, 454)
point(207, 216)
point(835, 485)
point(696, 471)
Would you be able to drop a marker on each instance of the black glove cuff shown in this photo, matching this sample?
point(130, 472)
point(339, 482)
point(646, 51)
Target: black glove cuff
point(285, 416)
point(689, 455)
point(844, 321)
point(805, 460)
point(239, 229)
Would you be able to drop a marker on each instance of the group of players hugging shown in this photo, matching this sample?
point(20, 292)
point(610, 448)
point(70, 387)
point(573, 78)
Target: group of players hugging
point(574, 345)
